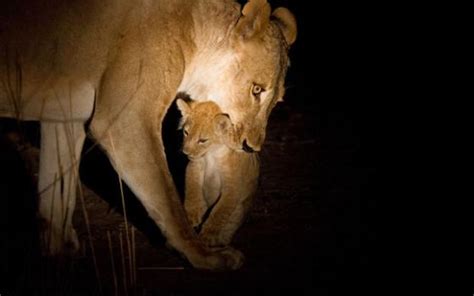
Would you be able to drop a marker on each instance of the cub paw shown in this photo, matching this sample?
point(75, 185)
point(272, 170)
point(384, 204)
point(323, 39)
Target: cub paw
point(212, 242)
point(211, 239)
point(226, 258)
point(195, 219)
point(234, 258)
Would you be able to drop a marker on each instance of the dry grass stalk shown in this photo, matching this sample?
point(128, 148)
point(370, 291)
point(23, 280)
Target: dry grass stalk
point(124, 269)
point(112, 261)
point(89, 234)
point(134, 277)
point(127, 236)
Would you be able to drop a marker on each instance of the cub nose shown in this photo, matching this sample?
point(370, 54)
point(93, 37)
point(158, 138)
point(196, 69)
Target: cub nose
point(246, 147)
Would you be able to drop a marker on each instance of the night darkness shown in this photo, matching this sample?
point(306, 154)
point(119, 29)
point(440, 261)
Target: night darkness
point(312, 226)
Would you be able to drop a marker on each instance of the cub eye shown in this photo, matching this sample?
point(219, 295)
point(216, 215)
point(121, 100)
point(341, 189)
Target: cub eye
point(185, 132)
point(257, 90)
point(202, 141)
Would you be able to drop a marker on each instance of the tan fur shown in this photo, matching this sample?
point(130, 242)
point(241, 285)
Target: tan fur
point(217, 176)
point(129, 59)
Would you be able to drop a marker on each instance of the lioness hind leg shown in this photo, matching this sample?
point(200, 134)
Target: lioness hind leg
point(61, 145)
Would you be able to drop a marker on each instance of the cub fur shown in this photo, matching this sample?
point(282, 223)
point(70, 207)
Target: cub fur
point(217, 176)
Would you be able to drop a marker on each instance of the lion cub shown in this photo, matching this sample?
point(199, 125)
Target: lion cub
point(217, 176)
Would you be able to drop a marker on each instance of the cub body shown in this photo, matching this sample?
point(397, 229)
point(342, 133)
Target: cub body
point(218, 177)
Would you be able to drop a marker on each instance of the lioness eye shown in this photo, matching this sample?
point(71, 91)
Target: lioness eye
point(185, 132)
point(202, 141)
point(256, 90)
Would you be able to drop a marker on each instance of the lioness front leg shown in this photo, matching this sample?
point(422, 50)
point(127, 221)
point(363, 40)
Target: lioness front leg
point(61, 145)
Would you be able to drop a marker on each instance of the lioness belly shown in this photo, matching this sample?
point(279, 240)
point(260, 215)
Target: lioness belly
point(62, 101)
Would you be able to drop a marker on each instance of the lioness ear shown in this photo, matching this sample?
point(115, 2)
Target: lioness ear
point(255, 17)
point(222, 124)
point(287, 23)
point(183, 107)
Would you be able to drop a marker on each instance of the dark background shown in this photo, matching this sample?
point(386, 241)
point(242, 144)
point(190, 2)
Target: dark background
point(337, 77)
point(334, 92)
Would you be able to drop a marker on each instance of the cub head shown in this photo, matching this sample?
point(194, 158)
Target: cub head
point(245, 74)
point(204, 127)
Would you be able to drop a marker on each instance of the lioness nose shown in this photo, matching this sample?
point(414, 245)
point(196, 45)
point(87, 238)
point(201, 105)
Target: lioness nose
point(246, 147)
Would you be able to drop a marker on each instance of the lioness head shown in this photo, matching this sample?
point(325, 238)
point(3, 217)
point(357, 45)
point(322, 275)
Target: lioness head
point(204, 127)
point(245, 73)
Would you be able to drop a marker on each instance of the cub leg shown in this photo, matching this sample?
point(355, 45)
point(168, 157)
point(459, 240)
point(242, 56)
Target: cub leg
point(61, 145)
point(225, 218)
point(194, 202)
point(238, 191)
point(230, 227)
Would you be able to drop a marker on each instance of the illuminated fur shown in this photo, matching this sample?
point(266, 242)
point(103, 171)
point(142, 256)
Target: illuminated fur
point(121, 64)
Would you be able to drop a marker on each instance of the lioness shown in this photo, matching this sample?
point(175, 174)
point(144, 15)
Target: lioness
point(217, 176)
point(119, 65)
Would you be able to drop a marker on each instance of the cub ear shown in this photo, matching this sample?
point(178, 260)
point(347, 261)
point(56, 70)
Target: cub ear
point(184, 107)
point(222, 124)
point(255, 17)
point(287, 23)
